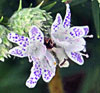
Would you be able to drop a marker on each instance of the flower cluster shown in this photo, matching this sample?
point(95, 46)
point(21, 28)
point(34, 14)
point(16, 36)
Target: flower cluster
point(21, 21)
point(69, 43)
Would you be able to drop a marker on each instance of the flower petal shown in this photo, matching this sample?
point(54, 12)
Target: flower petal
point(18, 51)
point(58, 31)
point(76, 57)
point(35, 75)
point(36, 34)
point(48, 72)
point(77, 32)
point(60, 39)
point(76, 45)
point(39, 51)
point(56, 23)
point(20, 40)
point(51, 59)
point(60, 54)
point(67, 19)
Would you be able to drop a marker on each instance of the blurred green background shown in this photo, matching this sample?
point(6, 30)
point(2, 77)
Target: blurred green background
point(76, 79)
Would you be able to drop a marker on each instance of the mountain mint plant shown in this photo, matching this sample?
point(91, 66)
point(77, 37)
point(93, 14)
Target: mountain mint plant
point(69, 41)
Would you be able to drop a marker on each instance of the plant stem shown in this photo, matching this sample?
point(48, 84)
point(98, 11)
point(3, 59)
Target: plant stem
point(56, 86)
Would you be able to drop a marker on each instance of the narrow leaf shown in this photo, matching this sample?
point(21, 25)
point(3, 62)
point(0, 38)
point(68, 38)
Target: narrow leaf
point(48, 7)
point(20, 5)
point(64, 0)
point(77, 2)
point(96, 16)
point(40, 4)
point(1, 19)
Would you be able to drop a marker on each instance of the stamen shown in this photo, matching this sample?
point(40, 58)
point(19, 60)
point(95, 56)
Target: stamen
point(86, 55)
point(30, 60)
point(90, 36)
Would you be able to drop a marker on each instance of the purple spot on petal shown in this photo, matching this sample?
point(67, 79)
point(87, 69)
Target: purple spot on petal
point(76, 56)
point(24, 45)
point(20, 42)
point(10, 34)
point(26, 39)
point(22, 36)
point(86, 30)
point(36, 78)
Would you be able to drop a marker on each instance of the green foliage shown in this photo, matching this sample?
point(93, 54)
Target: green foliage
point(96, 16)
point(64, 0)
point(20, 5)
point(48, 7)
point(77, 2)
point(1, 19)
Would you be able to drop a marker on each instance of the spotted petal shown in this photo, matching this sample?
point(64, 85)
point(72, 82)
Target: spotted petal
point(67, 19)
point(35, 75)
point(76, 57)
point(47, 71)
point(18, 51)
point(56, 24)
point(77, 32)
point(36, 34)
point(20, 40)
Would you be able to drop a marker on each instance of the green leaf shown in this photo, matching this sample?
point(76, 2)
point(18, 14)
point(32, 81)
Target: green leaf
point(40, 4)
point(20, 5)
point(64, 0)
point(48, 7)
point(77, 2)
point(1, 19)
point(96, 16)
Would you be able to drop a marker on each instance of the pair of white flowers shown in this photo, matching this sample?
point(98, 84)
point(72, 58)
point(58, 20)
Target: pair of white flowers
point(68, 40)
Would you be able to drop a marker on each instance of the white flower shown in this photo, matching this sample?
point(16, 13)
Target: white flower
point(44, 62)
point(70, 39)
